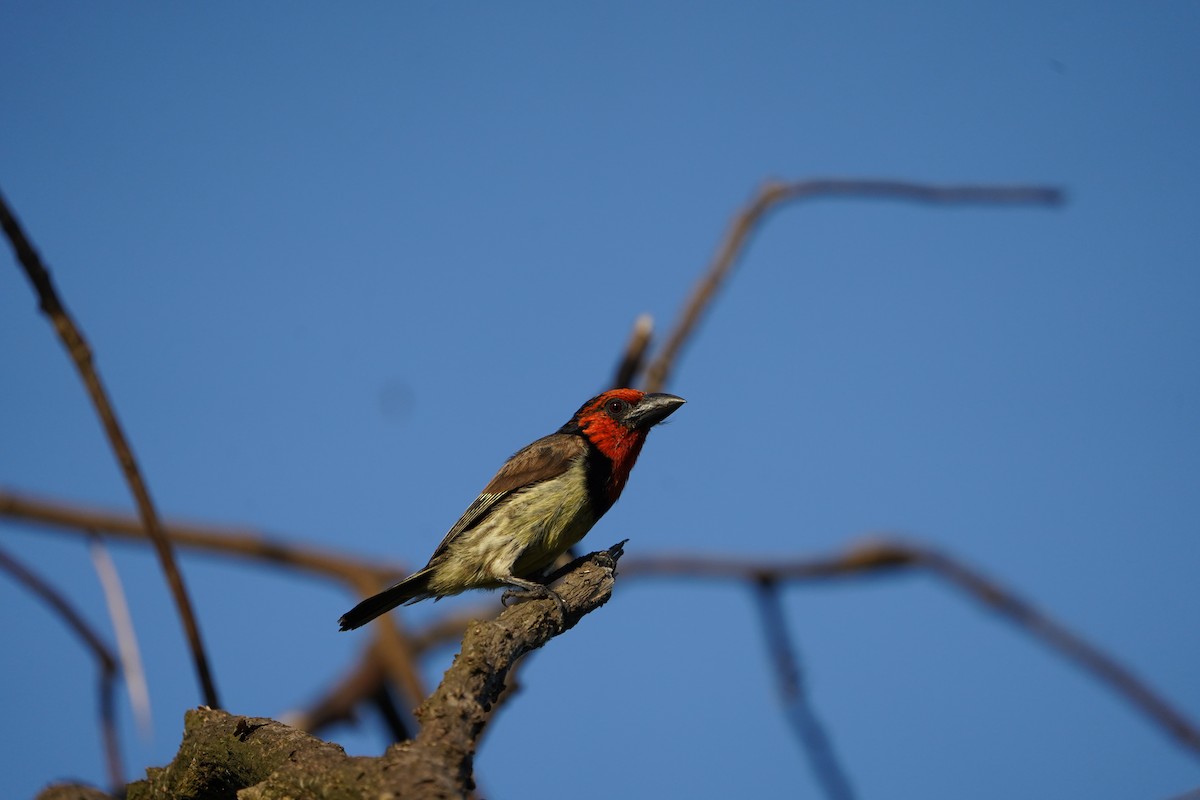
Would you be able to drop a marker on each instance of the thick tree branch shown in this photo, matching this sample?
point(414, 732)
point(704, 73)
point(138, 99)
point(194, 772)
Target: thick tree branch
point(454, 717)
point(260, 759)
point(870, 558)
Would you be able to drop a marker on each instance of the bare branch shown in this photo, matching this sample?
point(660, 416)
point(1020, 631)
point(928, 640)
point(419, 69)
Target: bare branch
point(393, 719)
point(775, 194)
point(794, 694)
point(398, 658)
point(223, 755)
point(364, 577)
point(884, 556)
point(106, 662)
point(635, 352)
point(871, 558)
point(455, 715)
point(81, 354)
point(367, 681)
point(450, 628)
point(122, 622)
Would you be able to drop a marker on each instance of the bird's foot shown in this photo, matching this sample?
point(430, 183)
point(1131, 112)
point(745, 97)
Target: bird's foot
point(528, 590)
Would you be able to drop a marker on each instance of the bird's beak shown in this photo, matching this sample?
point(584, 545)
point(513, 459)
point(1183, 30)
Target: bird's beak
point(652, 409)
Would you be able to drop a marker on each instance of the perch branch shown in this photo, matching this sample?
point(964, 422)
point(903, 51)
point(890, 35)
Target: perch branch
point(455, 715)
point(877, 557)
point(256, 759)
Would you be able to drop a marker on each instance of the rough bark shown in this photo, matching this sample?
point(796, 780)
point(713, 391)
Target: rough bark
point(228, 757)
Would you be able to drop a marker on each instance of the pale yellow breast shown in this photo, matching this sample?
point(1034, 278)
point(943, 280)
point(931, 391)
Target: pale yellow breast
point(523, 536)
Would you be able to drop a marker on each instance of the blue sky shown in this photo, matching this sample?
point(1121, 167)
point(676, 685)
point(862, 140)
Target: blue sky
point(337, 264)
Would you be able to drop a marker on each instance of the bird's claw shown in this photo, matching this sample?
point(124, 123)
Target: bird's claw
point(535, 592)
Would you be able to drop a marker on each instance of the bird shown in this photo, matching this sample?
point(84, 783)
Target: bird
point(544, 499)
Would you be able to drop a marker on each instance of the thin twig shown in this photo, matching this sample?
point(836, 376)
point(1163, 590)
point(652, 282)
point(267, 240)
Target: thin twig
point(1070, 644)
point(794, 694)
point(127, 645)
point(81, 354)
point(884, 556)
point(634, 356)
point(774, 194)
point(106, 662)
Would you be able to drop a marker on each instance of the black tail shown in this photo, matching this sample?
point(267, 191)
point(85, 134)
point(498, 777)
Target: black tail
point(414, 587)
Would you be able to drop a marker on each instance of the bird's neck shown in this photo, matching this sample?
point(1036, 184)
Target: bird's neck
point(620, 446)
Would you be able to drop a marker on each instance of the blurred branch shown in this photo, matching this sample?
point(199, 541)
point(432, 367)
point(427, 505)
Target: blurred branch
point(122, 622)
point(886, 556)
point(367, 681)
point(450, 628)
point(635, 352)
point(395, 652)
point(794, 694)
point(774, 194)
point(362, 576)
point(106, 662)
point(393, 719)
point(81, 354)
point(871, 558)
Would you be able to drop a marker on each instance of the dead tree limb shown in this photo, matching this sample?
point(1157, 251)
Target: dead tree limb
point(260, 759)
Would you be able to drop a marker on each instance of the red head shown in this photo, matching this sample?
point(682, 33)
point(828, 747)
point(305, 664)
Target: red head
point(617, 423)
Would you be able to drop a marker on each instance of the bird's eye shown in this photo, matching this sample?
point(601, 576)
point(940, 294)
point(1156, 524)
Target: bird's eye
point(616, 406)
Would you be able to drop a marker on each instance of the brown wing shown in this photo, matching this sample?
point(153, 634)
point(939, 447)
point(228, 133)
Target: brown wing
point(546, 458)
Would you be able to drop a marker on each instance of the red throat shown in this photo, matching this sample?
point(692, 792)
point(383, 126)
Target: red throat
point(620, 444)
